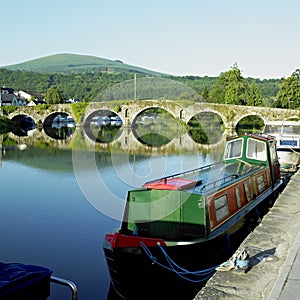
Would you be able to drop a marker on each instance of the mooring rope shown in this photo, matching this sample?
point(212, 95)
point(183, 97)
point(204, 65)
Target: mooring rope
point(172, 266)
point(238, 260)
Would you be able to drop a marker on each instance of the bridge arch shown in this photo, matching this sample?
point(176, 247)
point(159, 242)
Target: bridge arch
point(240, 118)
point(49, 119)
point(40, 113)
point(135, 108)
point(208, 110)
point(19, 117)
point(145, 109)
point(22, 125)
point(101, 112)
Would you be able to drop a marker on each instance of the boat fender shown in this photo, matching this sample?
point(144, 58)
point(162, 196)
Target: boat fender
point(238, 261)
point(136, 231)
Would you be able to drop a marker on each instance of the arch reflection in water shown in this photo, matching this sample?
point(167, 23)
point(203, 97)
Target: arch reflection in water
point(103, 134)
point(206, 128)
point(156, 127)
point(103, 126)
point(61, 132)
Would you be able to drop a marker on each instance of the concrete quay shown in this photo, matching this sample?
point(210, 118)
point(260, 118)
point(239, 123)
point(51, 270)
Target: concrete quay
point(274, 256)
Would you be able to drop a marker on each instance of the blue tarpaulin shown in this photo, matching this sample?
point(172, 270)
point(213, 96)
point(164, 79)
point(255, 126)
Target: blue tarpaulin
point(20, 281)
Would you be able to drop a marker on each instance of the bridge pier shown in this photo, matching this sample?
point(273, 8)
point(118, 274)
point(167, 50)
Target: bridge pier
point(230, 131)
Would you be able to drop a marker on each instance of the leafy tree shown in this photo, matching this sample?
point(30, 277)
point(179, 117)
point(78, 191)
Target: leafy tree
point(230, 88)
point(289, 91)
point(205, 93)
point(54, 96)
point(254, 98)
point(86, 86)
point(267, 87)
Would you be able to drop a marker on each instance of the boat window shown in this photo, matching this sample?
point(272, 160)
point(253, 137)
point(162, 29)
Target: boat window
point(238, 197)
point(233, 149)
point(221, 206)
point(247, 192)
point(256, 150)
point(291, 129)
point(261, 183)
point(275, 129)
point(273, 152)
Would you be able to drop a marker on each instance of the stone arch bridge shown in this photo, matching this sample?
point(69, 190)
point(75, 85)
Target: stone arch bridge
point(129, 110)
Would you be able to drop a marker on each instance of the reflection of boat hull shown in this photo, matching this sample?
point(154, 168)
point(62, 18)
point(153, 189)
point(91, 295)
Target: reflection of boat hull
point(177, 229)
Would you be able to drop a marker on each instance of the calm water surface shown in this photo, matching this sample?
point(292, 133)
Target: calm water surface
point(53, 216)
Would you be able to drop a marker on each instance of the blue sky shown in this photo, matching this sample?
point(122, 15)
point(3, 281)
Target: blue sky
point(191, 37)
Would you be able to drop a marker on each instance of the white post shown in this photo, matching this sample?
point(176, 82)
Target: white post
point(134, 94)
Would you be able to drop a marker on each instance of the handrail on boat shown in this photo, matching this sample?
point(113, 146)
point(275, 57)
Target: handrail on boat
point(67, 283)
point(222, 180)
point(184, 173)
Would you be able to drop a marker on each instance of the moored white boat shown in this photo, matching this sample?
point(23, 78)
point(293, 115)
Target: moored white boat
point(287, 134)
point(63, 121)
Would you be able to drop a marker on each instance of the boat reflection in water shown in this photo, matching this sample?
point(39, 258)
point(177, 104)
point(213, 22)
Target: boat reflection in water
point(63, 121)
point(176, 230)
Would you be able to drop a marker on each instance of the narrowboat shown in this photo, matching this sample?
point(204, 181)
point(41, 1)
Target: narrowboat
point(176, 230)
point(287, 134)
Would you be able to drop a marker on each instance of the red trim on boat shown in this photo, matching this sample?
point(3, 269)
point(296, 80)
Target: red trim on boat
point(118, 240)
point(170, 184)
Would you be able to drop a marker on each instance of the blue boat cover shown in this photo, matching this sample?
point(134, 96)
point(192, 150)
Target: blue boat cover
point(16, 278)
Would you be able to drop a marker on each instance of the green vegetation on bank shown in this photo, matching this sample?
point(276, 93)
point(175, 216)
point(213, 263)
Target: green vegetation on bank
point(91, 86)
point(65, 76)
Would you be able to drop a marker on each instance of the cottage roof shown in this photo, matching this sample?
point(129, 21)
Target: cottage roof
point(7, 90)
point(7, 98)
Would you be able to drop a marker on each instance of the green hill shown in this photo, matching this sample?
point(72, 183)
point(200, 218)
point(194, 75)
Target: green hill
point(74, 63)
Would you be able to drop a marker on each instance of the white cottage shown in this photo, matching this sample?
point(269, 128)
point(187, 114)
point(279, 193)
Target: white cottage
point(8, 98)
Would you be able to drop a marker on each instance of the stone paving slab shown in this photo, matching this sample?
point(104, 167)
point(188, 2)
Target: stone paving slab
point(273, 248)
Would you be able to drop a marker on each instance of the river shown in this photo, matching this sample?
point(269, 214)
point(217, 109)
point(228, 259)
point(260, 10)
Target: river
point(59, 198)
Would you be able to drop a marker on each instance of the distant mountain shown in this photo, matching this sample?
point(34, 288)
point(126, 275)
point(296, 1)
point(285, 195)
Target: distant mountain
point(74, 63)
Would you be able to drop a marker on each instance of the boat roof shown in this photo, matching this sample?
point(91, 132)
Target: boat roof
point(283, 122)
point(170, 184)
point(204, 179)
point(216, 175)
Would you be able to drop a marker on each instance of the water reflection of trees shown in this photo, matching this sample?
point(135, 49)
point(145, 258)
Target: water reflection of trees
point(59, 133)
point(206, 128)
point(156, 127)
point(103, 134)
